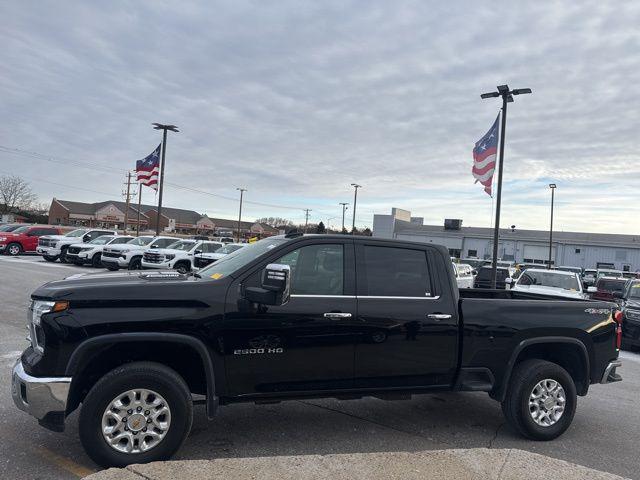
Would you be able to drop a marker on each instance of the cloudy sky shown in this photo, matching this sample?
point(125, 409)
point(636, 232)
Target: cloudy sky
point(296, 100)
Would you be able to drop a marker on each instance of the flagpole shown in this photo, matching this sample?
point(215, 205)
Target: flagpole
point(507, 97)
point(496, 226)
point(164, 129)
point(139, 206)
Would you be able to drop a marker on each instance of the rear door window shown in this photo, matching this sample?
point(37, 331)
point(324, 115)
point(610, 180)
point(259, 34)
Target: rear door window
point(395, 272)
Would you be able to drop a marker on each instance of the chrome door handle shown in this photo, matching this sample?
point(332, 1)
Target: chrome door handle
point(337, 315)
point(439, 316)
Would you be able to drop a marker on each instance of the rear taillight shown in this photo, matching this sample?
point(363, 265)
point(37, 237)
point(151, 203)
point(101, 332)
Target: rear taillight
point(617, 316)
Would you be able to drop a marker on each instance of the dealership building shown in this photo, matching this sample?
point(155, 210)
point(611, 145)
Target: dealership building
point(586, 250)
point(111, 214)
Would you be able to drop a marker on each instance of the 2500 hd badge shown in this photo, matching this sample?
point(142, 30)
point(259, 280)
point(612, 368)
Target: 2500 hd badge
point(300, 315)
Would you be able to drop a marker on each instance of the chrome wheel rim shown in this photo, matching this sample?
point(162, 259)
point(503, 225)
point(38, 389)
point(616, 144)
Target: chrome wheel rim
point(136, 421)
point(14, 250)
point(547, 402)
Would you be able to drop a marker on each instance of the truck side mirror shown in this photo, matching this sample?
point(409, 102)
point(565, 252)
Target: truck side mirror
point(276, 285)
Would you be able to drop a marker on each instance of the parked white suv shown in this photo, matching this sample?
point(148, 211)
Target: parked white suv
point(550, 282)
point(179, 255)
point(464, 275)
point(91, 252)
point(52, 247)
point(129, 255)
point(203, 259)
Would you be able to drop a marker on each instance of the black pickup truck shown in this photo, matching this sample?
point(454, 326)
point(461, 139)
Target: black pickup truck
point(299, 316)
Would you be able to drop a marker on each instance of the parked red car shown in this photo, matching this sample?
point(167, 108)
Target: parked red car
point(606, 288)
point(25, 238)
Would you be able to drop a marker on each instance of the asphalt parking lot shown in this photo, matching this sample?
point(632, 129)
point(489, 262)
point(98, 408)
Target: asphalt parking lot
point(603, 436)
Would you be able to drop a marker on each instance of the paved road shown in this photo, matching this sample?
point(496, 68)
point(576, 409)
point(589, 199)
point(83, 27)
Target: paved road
point(604, 434)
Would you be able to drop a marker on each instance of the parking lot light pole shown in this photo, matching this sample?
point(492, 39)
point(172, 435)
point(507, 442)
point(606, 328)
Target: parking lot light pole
point(344, 209)
point(355, 201)
point(164, 128)
point(552, 186)
point(241, 190)
point(507, 97)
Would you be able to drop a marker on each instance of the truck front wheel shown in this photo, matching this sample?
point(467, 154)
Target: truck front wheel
point(137, 413)
point(541, 400)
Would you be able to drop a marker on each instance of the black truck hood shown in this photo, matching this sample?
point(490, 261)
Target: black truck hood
point(151, 285)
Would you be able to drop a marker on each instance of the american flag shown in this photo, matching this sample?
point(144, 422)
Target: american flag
point(148, 168)
point(484, 157)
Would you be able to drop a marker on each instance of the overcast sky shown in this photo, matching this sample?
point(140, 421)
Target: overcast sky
point(296, 100)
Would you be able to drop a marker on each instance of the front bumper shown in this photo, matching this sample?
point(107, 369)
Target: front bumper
point(168, 265)
point(48, 251)
point(44, 398)
point(610, 374)
point(120, 262)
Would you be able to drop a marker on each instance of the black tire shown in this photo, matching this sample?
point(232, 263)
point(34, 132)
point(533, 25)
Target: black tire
point(182, 267)
point(49, 259)
point(63, 256)
point(515, 406)
point(135, 263)
point(154, 376)
point(96, 261)
point(14, 249)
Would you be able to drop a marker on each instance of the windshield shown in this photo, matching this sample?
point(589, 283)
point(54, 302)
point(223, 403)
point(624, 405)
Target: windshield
point(610, 273)
point(242, 256)
point(634, 291)
point(611, 285)
point(21, 229)
point(549, 279)
point(185, 246)
point(228, 249)
point(140, 241)
point(103, 240)
point(76, 233)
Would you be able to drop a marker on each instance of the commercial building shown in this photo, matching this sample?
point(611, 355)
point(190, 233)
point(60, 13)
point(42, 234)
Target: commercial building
point(111, 214)
point(586, 250)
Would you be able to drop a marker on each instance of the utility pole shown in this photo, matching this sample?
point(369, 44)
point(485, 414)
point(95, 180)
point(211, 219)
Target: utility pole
point(242, 190)
point(507, 97)
point(306, 218)
point(164, 128)
point(139, 207)
point(355, 201)
point(552, 186)
point(344, 208)
point(128, 197)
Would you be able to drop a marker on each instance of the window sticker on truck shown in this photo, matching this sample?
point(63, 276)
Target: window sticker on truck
point(217, 276)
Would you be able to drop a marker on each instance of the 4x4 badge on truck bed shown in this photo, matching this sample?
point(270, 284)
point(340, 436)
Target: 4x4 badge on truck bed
point(597, 311)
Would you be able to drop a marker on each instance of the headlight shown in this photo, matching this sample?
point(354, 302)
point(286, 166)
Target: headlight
point(36, 310)
point(126, 250)
point(86, 249)
point(170, 257)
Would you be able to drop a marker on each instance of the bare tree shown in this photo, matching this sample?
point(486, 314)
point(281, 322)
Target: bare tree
point(15, 194)
point(275, 221)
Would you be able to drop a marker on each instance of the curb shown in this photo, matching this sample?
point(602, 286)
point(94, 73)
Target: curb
point(461, 464)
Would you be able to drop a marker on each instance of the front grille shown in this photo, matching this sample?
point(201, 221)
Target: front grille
point(202, 262)
point(73, 250)
point(152, 257)
point(45, 242)
point(110, 254)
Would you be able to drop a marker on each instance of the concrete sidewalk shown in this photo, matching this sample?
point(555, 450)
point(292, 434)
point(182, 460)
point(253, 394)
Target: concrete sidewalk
point(469, 464)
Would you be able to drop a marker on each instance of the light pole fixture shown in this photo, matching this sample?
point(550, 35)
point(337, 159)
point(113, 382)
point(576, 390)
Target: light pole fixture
point(553, 187)
point(507, 97)
point(164, 128)
point(355, 201)
point(241, 190)
point(344, 209)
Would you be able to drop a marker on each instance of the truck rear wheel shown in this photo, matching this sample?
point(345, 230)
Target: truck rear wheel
point(541, 400)
point(182, 267)
point(137, 413)
point(135, 263)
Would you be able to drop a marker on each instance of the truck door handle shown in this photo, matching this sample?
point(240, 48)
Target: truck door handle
point(439, 316)
point(336, 315)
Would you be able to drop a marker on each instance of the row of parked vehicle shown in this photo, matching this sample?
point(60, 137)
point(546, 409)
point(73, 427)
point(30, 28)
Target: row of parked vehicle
point(106, 248)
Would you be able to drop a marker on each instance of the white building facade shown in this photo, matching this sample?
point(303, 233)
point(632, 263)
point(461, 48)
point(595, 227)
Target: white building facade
point(576, 249)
